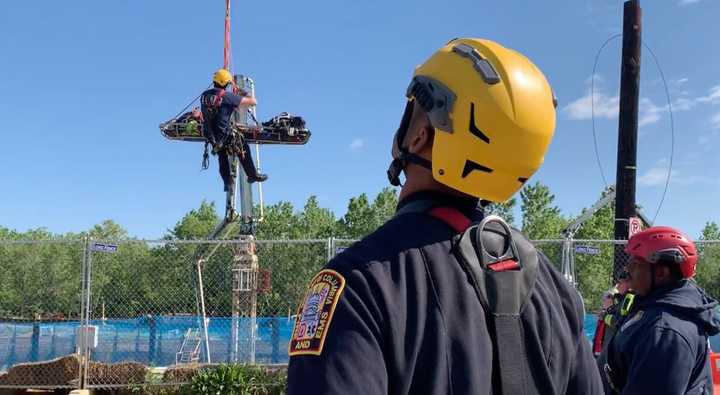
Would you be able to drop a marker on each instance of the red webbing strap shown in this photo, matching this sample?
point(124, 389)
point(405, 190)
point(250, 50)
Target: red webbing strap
point(458, 221)
point(454, 218)
point(218, 98)
point(501, 266)
point(599, 336)
point(226, 52)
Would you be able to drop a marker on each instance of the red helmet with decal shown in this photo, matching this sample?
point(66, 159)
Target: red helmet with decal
point(664, 244)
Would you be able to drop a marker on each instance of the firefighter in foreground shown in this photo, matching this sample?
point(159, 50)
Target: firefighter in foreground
point(662, 345)
point(440, 300)
point(218, 105)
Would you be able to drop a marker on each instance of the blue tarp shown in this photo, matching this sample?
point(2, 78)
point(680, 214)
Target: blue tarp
point(154, 340)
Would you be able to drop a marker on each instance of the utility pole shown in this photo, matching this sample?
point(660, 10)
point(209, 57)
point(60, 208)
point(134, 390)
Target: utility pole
point(627, 128)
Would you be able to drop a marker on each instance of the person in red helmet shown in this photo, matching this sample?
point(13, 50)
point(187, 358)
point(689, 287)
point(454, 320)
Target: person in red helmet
point(661, 346)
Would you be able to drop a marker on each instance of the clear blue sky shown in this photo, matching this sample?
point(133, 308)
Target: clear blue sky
point(84, 84)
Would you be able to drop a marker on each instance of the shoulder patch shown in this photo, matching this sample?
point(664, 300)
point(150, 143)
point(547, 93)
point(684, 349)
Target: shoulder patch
point(315, 313)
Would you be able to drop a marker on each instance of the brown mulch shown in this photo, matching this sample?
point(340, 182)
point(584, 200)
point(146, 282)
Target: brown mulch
point(60, 371)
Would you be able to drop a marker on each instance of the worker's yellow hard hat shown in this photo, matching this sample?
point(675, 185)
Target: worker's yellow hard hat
point(222, 77)
point(494, 116)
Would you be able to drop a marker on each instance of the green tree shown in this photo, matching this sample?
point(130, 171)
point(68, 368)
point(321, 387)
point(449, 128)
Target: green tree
point(708, 268)
point(595, 272)
point(541, 219)
point(505, 210)
point(196, 224)
point(363, 218)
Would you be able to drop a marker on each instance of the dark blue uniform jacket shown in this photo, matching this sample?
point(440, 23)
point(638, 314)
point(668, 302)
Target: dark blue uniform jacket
point(662, 346)
point(409, 321)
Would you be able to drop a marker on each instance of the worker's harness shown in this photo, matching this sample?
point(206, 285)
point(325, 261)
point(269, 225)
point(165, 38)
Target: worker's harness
point(233, 143)
point(503, 270)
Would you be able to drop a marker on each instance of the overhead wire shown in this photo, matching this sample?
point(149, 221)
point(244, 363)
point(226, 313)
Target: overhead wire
point(592, 106)
point(670, 111)
point(672, 131)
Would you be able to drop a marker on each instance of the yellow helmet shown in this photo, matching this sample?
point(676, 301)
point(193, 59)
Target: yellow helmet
point(222, 77)
point(494, 116)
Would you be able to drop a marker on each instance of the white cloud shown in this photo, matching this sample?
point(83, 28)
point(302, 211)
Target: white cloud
point(357, 144)
point(683, 104)
point(649, 112)
point(655, 176)
point(713, 95)
point(686, 2)
point(605, 107)
point(608, 106)
point(715, 121)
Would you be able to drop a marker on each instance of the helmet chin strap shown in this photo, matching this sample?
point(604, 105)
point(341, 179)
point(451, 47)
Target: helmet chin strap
point(404, 157)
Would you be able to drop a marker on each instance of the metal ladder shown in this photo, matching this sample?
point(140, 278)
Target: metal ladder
point(190, 348)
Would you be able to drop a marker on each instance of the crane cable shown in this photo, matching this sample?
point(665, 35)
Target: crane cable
point(227, 52)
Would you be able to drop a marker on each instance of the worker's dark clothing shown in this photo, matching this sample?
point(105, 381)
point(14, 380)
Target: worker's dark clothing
point(612, 318)
point(225, 163)
point(217, 107)
point(410, 322)
point(662, 345)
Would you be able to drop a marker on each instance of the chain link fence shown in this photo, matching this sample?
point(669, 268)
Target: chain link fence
point(40, 295)
point(144, 313)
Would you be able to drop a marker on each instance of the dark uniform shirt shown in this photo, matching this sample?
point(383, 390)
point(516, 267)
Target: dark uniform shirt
point(408, 321)
point(662, 345)
point(216, 115)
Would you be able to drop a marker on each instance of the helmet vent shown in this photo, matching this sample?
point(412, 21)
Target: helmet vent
point(474, 129)
point(471, 166)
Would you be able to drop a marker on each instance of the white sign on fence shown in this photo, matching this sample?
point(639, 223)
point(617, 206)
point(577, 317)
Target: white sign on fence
point(102, 247)
point(587, 250)
point(91, 333)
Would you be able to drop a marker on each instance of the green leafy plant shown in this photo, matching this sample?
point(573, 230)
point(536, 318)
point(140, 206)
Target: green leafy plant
point(239, 380)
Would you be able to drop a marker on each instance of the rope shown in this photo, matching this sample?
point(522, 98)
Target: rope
point(206, 157)
point(186, 107)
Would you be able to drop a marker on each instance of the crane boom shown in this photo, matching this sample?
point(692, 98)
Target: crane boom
point(573, 227)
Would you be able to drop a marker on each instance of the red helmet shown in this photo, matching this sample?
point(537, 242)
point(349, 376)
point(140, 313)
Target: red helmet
point(663, 243)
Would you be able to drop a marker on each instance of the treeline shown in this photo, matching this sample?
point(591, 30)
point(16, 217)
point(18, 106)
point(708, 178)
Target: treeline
point(42, 279)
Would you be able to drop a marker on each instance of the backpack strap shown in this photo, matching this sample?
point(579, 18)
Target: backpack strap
point(502, 266)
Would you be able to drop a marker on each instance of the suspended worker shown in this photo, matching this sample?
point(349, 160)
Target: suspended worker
point(661, 347)
point(440, 300)
point(217, 106)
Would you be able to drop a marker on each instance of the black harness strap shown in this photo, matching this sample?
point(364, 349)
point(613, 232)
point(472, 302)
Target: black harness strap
point(503, 270)
point(503, 294)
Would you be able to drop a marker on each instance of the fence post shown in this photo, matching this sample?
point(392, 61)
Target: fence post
point(88, 307)
point(330, 248)
point(35, 342)
point(83, 289)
